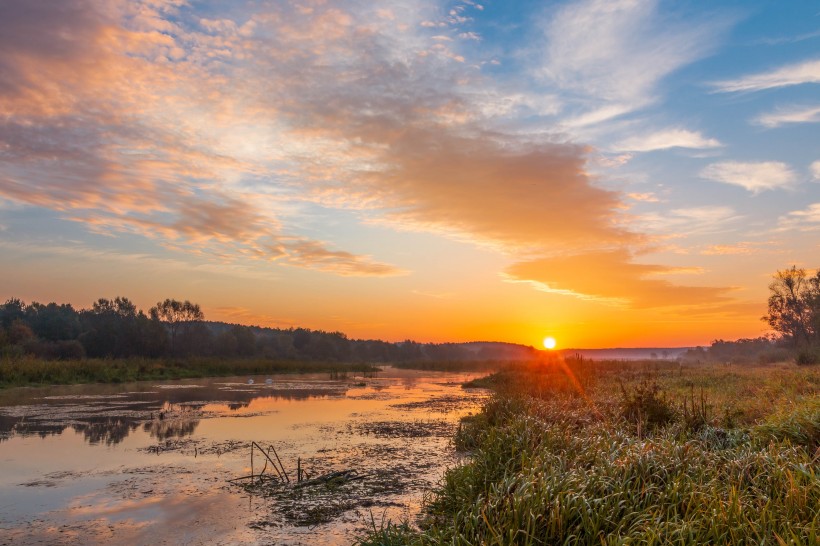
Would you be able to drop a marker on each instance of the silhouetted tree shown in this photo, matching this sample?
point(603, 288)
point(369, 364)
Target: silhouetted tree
point(794, 306)
point(178, 316)
point(225, 344)
point(13, 309)
point(53, 322)
point(245, 340)
point(111, 328)
point(301, 338)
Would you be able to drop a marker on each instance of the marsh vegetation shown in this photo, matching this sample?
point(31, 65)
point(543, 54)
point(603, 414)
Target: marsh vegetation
point(574, 451)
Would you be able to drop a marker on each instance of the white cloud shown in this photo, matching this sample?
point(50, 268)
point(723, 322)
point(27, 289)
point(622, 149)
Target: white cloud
point(754, 176)
point(793, 74)
point(665, 139)
point(804, 220)
point(691, 220)
point(793, 115)
point(815, 170)
point(619, 67)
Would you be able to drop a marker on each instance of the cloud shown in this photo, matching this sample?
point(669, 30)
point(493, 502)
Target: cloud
point(792, 115)
point(793, 74)
point(647, 197)
point(613, 278)
point(690, 220)
point(336, 261)
point(753, 176)
point(530, 197)
point(743, 248)
point(815, 170)
point(807, 219)
point(119, 117)
point(665, 139)
point(136, 124)
point(634, 47)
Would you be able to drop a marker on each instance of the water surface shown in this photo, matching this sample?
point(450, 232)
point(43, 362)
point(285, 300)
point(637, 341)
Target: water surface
point(150, 462)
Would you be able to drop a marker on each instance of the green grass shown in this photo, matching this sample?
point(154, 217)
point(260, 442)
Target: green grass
point(16, 372)
point(614, 453)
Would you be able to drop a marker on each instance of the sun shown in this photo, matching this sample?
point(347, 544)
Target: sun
point(549, 343)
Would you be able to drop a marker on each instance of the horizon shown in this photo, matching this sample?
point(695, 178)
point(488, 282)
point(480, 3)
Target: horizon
point(434, 171)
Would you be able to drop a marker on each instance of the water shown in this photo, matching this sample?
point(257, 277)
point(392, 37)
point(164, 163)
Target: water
point(150, 463)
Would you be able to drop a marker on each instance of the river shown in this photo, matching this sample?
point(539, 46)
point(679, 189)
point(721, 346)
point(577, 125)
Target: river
point(152, 462)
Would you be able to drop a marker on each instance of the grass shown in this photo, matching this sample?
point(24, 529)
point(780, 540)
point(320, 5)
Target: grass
point(450, 365)
point(580, 452)
point(16, 372)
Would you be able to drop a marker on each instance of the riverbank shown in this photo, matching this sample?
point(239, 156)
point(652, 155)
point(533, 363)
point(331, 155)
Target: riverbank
point(577, 451)
point(19, 372)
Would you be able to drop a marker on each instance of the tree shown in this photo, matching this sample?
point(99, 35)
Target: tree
point(110, 328)
point(178, 316)
point(14, 309)
point(53, 322)
point(121, 307)
point(794, 306)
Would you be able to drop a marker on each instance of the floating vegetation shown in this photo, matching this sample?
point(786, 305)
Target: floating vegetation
point(405, 429)
point(443, 404)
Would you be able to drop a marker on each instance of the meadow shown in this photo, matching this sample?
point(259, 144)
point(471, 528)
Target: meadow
point(581, 452)
point(26, 371)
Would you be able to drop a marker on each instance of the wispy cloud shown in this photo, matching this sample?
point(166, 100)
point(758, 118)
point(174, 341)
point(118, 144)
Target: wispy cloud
point(666, 139)
point(792, 74)
point(753, 176)
point(647, 197)
point(340, 262)
point(807, 219)
point(815, 169)
point(690, 220)
point(804, 114)
point(743, 248)
point(617, 70)
point(129, 122)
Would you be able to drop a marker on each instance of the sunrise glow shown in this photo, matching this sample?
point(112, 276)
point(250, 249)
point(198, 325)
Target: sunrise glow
point(549, 343)
point(426, 170)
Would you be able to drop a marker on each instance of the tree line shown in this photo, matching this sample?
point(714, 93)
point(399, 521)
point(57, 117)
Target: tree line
point(115, 328)
point(793, 314)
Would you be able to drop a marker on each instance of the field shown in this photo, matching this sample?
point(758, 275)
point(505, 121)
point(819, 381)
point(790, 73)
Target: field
point(23, 371)
point(581, 452)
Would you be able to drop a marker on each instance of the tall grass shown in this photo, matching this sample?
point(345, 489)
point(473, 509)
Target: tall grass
point(560, 460)
point(31, 371)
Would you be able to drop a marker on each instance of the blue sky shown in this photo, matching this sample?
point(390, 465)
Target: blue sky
point(441, 171)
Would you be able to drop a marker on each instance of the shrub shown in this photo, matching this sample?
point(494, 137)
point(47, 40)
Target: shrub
point(55, 350)
point(808, 357)
point(646, 406)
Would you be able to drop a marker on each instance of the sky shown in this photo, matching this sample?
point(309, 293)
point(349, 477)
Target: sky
point(610, 173)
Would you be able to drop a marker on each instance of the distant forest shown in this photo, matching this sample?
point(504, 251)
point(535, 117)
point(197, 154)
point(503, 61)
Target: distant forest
point(115, 328)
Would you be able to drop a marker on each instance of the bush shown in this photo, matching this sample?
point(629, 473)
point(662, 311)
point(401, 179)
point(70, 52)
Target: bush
point(808, 357)
point(55, 350)
point(646, 405)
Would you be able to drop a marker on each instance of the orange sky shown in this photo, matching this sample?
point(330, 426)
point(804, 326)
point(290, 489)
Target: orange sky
point(608, 173)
